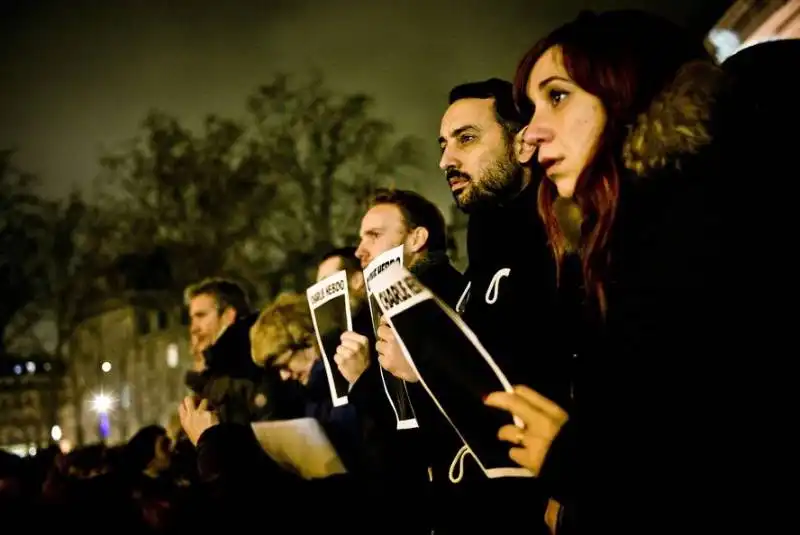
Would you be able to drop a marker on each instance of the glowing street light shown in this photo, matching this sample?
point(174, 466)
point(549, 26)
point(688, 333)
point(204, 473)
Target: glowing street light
point(55, 433)
point(102, 403)
point(106, 367)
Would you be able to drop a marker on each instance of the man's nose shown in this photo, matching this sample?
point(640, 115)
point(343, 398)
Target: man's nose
point(447, 161)
point(362, 254)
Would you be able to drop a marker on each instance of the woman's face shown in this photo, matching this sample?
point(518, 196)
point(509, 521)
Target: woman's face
point(566, 125)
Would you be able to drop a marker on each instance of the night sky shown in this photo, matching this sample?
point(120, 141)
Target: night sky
point(79, 75)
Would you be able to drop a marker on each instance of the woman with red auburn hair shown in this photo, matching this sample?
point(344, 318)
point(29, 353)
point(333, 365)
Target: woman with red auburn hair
point(631, 126)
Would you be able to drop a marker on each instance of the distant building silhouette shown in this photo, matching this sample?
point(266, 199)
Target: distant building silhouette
point(133, 353)
point(31, 389)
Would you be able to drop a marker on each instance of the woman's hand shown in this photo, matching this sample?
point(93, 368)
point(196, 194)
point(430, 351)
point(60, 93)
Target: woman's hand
point(541, 421)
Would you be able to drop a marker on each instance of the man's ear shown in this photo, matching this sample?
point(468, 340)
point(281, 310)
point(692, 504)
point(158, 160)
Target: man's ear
point(418, 239)
point(228, 316)
point(524, 151)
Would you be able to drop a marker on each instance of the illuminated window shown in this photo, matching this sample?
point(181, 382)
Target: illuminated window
point(173, 357)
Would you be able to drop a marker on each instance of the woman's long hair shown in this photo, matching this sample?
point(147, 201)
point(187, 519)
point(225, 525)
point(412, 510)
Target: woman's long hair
point(624, 58)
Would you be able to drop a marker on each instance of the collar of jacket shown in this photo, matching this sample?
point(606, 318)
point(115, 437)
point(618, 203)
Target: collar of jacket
point(429, 261)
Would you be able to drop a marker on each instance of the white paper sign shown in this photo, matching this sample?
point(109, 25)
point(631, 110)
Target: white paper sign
point(396, 389)
point(300, 446)
point(330, 311)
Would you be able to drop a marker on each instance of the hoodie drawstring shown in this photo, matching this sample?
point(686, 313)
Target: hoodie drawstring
point(494, 286)
point(457, 466)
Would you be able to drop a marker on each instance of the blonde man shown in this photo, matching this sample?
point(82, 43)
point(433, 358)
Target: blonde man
point(283, 337)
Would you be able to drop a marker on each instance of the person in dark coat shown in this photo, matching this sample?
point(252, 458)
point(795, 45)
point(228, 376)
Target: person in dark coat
point(240, 477)
point(512, 281)
point(642, 201)
point(401, 459)
point(238, 390)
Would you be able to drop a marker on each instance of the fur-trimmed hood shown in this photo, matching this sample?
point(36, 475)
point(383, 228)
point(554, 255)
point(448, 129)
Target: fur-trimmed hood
point(677, 123)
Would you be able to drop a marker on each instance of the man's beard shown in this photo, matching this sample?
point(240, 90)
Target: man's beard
point(500, 182)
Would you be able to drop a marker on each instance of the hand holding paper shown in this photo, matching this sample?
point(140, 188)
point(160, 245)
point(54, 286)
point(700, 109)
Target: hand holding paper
point(390, 354)
point(541, 418)
point(352, 355)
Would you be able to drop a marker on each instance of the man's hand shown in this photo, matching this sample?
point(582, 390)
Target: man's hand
point(195, 419)
point(352, 356)
point(196, 348)
point(541, 418)
point(391, 356)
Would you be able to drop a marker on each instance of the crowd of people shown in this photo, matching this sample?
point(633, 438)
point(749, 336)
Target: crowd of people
point(619, 250)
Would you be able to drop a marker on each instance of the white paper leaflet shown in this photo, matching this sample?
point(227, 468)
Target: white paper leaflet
point(300, 446)
point(330, 311)
point(396, 390)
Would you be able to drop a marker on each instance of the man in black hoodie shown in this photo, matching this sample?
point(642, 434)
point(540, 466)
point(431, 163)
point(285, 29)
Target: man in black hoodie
point(511, 273)
point(512, 280)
